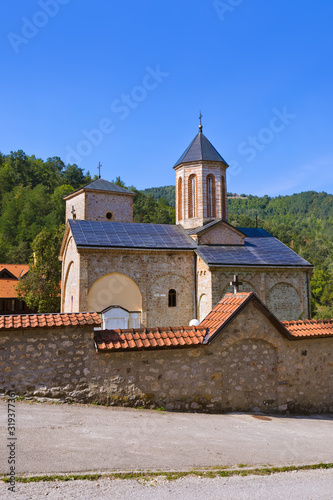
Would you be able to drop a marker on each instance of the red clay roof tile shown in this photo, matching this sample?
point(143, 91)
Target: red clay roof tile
point(223, 311)
point(51, 320)
point(154, 338)
point(310, 328)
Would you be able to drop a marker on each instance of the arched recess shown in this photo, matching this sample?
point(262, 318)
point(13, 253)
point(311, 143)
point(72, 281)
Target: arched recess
point(203, 307)
point(211, 195)
point(180, 199)
point(244, 287)
point(249, 375)
point(70, 290)
point(192, 196)
point(160, 314)
point(114, 289)
point(283, 301)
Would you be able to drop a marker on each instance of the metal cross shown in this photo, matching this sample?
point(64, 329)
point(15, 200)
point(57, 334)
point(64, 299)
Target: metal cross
point(99, 169)
point(200, 116)
point(235, 283)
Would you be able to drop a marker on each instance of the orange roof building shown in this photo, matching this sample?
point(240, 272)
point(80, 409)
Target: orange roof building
point(10, 275)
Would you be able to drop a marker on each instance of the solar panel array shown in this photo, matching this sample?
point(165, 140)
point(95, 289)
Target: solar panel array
point(129, 235)
point(260, 249)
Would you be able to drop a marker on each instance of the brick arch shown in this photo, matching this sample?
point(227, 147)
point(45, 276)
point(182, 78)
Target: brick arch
point(245, 287)
point(227, 339)
point(192, 197)
point(204, 308)
point(180, 199)
point(283, 300)
point(211, 195)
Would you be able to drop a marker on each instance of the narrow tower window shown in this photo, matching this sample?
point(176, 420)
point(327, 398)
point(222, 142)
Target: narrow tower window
point(180, 198)
point(172, 298)
point(223, 200)
point(192, 196)
point(211, 196)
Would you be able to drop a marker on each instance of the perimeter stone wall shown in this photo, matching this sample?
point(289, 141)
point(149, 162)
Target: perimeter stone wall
point(250, 367)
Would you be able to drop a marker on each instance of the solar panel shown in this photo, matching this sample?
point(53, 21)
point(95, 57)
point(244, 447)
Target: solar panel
point(130, 235)
point(260, 248)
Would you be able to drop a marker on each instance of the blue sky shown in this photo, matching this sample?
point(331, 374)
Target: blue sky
point(122, 83)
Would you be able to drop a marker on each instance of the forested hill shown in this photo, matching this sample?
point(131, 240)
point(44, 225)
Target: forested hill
point(166, 192)
point(31, 200)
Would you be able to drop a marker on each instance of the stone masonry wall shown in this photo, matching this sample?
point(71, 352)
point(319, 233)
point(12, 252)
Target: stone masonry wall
point(78, 202)
point(154, 272)
point(70, 278)
point(249, 367)
point(284, 291)
point(98, 204)
point(221, 235)
point(94, 205)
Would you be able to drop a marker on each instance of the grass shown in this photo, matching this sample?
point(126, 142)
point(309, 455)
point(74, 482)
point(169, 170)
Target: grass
point(170, 476)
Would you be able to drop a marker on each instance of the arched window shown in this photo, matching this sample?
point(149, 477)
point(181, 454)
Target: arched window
point(192, 196)
point(224, 199)
point(172, 298)
point(211, 196)
point(180, 198)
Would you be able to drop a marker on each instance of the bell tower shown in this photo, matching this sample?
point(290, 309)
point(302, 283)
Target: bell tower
point(201, 184)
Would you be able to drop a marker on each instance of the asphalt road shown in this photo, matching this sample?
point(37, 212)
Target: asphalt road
point(55, 438)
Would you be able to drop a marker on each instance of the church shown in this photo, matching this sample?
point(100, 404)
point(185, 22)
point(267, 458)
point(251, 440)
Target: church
point(151, 275)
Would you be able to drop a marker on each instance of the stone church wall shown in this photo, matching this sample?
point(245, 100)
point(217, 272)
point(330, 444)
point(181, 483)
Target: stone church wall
point(283, 291)
point(94, 205)
point(154, 272)
point(250, 367)
point(99, 204)
point(70, 296)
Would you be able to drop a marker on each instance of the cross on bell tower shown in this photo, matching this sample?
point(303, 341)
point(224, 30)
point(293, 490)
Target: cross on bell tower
point(236, 283)
point(99, 169)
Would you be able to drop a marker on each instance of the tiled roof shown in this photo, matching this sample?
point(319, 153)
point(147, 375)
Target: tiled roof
point(310, 328)
point(260, 249)
point(130, 235)
point(229, 307)
point(151, 338)
point(48, 320)
point(17, 270)
point(8, 289)
point(200, 149)
point(223, 311)
point(101, 185)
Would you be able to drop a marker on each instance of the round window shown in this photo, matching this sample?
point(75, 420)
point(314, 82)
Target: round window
point(109, 215)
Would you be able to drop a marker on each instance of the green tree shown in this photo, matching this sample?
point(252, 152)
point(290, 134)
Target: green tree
point(40, 288)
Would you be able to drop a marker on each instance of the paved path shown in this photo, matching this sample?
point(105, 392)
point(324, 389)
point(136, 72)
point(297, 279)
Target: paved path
point(55, 438)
